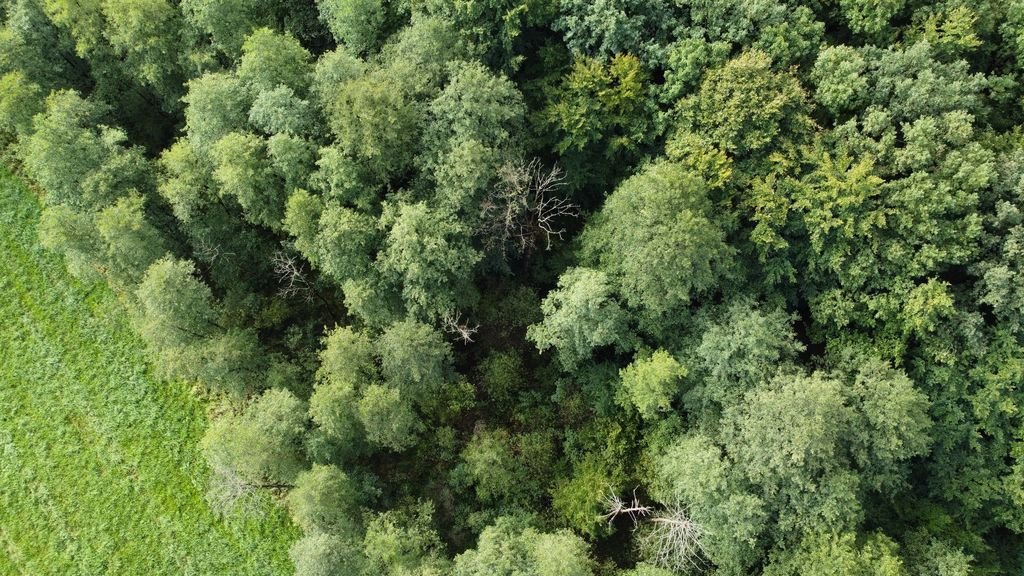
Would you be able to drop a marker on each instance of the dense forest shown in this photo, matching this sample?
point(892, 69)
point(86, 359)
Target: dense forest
point(562, 287)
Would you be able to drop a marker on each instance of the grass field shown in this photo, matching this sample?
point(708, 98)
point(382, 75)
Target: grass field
point(99, 468)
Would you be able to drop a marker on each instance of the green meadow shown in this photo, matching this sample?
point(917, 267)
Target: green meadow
point(99, 467)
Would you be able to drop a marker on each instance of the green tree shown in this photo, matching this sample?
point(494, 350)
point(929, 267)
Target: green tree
point(333, 407)
point(325, 500)
point(894, 423)
point(231, 362)
point(177, 308)
point(417, 57)
point(292, 159)
point(657, 238)
point(733, 518)
point(216, 105)
point(840, 81)
point(428, 254)
point(404, 541)
point(347, 356)
point(388, 418)
point(789, 438)
point(491, 463)
point(148, 36)
point(469, 132)
point(73, 234)
point(746, 109)
point(321, 554)
point(414, 358)
point(132, 243)
point(871, 19)
point(509, 546)
point(834, 554)
point(270, 59)
point(77, 160)
point(330, 71)
point(227, 22)
point(32, 43)
point(650, 384)
point(375, 123)
point(346, 242)
point(581, 498)
point(609, 28)
point(738, 351)
point(580, 315)
point(358, 24)
point(244, 171)
point(280, 111)
point(186, 183)
point(475, 105)
point(603, 108)
point(263, 444)
point(19, 102)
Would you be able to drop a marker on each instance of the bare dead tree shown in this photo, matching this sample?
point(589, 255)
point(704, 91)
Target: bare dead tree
point(524, 206)
point(208, 251)
point(452, 324)
point(292, 276)
point(617, 507)
point(673, 541)
point(668, 538)
point(228, 492)
point(548, 212)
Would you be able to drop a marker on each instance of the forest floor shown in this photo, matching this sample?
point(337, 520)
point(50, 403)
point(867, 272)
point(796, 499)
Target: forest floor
point(99, 465)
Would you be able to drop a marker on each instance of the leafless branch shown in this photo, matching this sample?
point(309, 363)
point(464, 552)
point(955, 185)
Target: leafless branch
point(669, 538)
point(616, 507)
point(208, 251)
point(674, 542)
point(548, 212)
point(523, 206)
point(229, 492)
point(291, 275)
point(452, 324)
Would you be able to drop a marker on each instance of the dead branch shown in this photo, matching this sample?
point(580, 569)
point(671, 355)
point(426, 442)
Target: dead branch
point(452, 324)
point(229, 492)
point(208, 251)
point(674, 542)
point(616, 507)
point(669, 538)
point(523, 206)
point(292, 276)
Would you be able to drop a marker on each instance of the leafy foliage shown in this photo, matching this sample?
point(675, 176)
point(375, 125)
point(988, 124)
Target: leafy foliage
point(460, 275)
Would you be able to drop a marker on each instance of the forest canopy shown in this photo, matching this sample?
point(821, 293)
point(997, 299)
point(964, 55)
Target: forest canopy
point(562, 287)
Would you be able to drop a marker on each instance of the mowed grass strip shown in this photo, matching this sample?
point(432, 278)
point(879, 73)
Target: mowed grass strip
point(99, 467)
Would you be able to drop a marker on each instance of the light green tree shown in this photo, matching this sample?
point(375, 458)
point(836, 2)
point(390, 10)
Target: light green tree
point(320, 554)
point(580, 315)
point(649, 384)
point(263, 444)
point(358, 24)
point(428, 254)
point(325, 500)
point(656, 236)
point(270, 59)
